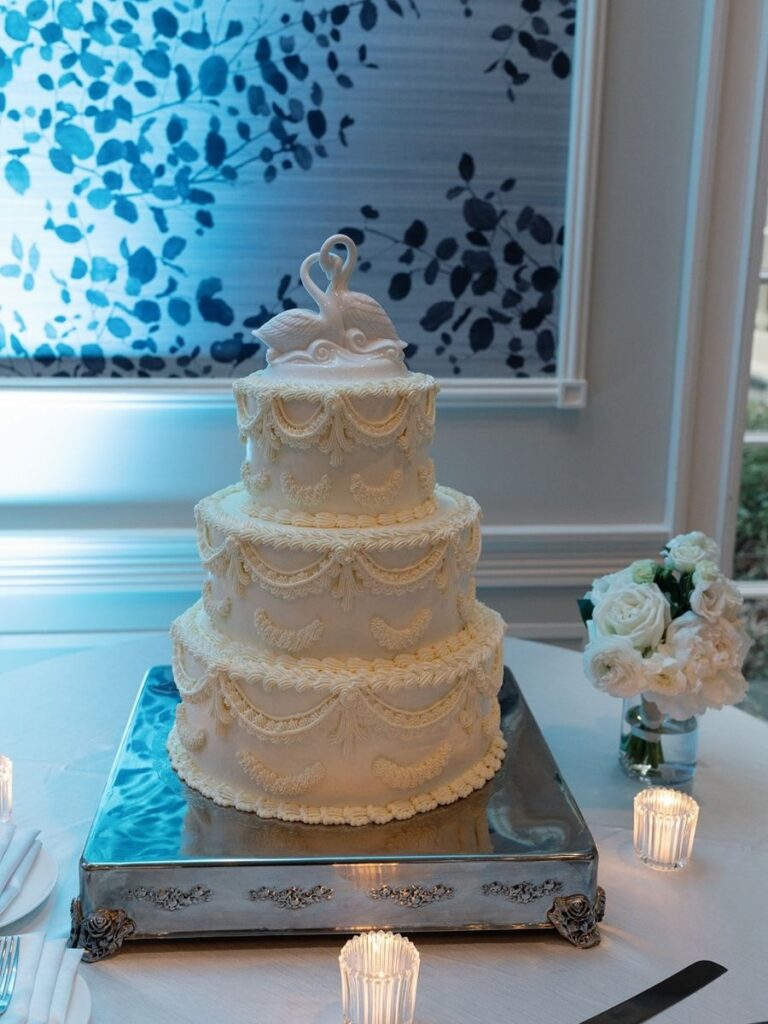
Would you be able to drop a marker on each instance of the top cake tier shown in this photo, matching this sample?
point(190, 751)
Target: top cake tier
point(338, 453)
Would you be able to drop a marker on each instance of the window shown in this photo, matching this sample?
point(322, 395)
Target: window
point(168, 167)
point(751, 551)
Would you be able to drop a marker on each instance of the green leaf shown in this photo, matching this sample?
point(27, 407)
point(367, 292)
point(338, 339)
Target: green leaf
point(586, 608)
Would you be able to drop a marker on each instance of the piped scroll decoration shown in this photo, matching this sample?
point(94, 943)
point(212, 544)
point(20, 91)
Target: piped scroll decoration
point(292, 641)
point(215, 609)
point(308, 497)
point(408, 776)
point(190, 738)
point(348, 326)
point(376, 497)
point(280, 783)
point(393, 638)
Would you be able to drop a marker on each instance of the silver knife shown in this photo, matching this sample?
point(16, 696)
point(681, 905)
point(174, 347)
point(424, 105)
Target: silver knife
point(659, 997)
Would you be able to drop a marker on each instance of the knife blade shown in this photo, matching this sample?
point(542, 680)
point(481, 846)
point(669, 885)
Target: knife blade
point(659, 997)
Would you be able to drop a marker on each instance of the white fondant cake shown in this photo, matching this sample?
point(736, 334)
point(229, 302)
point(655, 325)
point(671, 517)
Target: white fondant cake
point(338, 668)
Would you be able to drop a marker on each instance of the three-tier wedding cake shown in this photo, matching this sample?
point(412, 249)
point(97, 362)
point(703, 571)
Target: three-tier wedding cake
point(338, 669)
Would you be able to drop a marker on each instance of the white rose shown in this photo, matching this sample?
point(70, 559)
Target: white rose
point(637, 611)
point(714, 598)
point(605, 584)
point(643, 571)
point(685, 551)
point(711, 655)
point(613, 665)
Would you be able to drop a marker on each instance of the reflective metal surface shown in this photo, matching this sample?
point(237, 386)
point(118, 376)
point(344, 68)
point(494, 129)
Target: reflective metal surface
point(156, 846)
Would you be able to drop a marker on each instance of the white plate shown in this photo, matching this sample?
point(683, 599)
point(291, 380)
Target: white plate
point(79, 1009)
point(36, 889)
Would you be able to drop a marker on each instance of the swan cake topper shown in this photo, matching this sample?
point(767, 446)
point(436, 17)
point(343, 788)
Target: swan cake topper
point(350, 329)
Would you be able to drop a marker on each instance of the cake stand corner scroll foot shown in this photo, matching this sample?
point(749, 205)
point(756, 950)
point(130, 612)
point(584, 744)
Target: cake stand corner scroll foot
point(99, 934)
point(576, 918)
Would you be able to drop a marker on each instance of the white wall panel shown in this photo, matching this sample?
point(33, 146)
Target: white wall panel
point(113, 472)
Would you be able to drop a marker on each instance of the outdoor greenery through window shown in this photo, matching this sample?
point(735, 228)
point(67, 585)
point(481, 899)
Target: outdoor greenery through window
point(751, 552)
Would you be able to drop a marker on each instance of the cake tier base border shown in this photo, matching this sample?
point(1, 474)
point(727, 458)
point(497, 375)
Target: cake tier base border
point(163, 862)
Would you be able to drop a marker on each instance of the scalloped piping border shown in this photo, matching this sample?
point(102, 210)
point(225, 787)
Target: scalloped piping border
point(256, 384)
point(264, 807)
point(344, 520)
point(431, 665)
point(449, 521)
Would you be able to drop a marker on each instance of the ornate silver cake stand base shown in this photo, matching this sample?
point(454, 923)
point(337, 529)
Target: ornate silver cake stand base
point(161, 861)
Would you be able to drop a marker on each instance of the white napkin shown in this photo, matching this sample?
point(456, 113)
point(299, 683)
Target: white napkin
point(29, 958)
point(17, 860)
point(45, 981)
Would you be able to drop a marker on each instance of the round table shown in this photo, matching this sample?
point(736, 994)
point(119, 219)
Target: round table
point(61, 721)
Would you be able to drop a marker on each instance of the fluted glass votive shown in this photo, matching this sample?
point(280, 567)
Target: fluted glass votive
point(6, 788)
point(665, 826)
point(379, 974)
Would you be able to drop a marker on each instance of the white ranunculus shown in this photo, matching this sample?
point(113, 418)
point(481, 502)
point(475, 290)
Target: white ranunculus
point(643, 571)
point(711, 655)
point(714, 598)
point(637, 611)
point(685, 551)
point(603, 585)
point(664, 674)
point(706, 570)
point(613, 665)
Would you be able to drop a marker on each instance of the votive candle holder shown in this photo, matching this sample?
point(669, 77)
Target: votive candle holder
point(6, 788)
point(379, 974)
point(665, 826)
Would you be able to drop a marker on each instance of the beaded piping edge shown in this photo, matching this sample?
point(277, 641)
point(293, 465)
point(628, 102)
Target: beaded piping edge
point(336, 426)
point(266, 807)
point(344, 562)
point(428, 666)
point(462, 511)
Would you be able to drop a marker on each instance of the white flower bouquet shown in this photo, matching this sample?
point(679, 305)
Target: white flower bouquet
point(668, 632)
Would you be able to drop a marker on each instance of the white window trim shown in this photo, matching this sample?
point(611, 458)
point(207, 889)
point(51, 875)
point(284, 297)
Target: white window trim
point(729, 180)
point(567, 389)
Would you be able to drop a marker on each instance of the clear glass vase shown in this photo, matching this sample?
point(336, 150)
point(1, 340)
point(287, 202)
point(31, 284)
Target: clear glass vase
point(654, 748)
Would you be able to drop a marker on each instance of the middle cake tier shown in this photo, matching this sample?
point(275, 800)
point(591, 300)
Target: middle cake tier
point(363, 592)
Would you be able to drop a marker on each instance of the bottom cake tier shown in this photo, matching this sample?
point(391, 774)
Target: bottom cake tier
point(337, 741)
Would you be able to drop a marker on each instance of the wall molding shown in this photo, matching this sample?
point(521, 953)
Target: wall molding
point(166, 560)
point(216, 394)
point(581, 197)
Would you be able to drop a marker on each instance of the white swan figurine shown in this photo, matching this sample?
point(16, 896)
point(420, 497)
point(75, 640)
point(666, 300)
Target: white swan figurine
point(346, 321)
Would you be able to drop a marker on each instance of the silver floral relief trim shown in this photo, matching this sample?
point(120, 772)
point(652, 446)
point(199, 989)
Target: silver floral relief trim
point(171, 898)
point(523, 892)
point(413, 895)
point(293, 898)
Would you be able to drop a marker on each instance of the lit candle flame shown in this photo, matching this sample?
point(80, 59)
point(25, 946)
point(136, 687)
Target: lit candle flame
point(664, 828)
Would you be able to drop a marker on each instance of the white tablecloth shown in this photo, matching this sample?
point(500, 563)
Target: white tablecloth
point(62, 719)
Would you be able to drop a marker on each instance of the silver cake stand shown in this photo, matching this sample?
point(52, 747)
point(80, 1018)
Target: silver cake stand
point(162, 861)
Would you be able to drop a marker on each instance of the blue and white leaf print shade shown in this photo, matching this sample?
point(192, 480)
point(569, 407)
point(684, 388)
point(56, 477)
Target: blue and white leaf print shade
point(165, 166)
